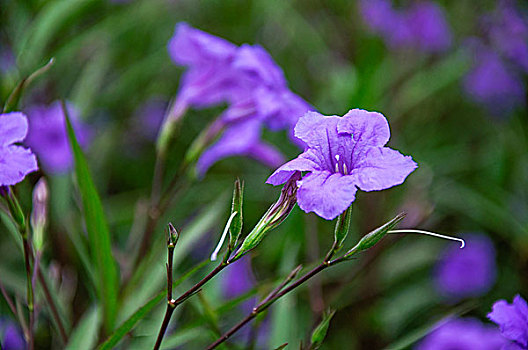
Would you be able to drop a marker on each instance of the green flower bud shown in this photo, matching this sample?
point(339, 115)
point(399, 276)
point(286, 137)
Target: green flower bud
point(319, 332)
point(275, 215)
point(373, 237)
point(39, 215)
point(341, 229)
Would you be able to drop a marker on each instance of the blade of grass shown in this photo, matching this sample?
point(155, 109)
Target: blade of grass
point(98, 232)
point(84, 336)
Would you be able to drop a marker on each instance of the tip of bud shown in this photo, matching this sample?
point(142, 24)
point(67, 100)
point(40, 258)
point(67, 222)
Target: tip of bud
point(173, 234)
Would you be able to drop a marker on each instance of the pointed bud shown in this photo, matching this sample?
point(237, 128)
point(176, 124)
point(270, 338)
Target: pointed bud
point(236, 224)
point(39, 215)
point(341, 229)
point(319, 332)
point(169, 127)
point(373, 237)
point(275, 215)
point(173, 236)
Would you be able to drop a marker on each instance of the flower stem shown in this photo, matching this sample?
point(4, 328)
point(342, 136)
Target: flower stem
point(29, 290)
point(170, 301)
point(272, 297)
point(53, 307)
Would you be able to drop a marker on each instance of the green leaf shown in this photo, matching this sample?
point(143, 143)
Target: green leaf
point(236, 225)
point(84, 336)
point(98, 232)
point(319, 332)
point(131, 322)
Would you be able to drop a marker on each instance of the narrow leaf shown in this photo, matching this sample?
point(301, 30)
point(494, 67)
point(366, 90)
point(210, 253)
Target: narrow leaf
point(98, 232)
point(84, 336)
point(236, 225)
point(319, 332)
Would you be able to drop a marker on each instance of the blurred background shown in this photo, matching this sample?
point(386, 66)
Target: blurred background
point(450, 76)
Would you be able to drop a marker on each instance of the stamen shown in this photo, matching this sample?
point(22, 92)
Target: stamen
point(224, 234)
point(345, 170)
point(462, 242)
point(337, 163)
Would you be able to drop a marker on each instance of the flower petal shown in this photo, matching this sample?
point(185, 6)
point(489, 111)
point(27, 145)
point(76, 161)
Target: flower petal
point(326, 194)
point(304, 162)
point(193, 47)
point(257, 63)
point(382, 168)
point(367, 128)
point(15, 163)
point(512, 321)
point(266, 154)
point(237, 139)
point(314, 128)
point(14, 127)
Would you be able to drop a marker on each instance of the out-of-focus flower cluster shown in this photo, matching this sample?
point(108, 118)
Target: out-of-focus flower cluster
point(500, 60)
point(244, 77)
point(421, 26)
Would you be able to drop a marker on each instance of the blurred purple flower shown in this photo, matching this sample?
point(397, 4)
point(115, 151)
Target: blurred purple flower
point(209, 79)
point(15, 161)
point(493, 83)
point(467, 272)
point(48, 138)
point(247, 79)
point(512, 320)
point(7, 59)
point(421, 26)
point(463, 333)
point(427, 22)
point(11, 336)
point(238, 279)
point(495, 80)
point(343, 153)
point(148, 118)
point(508, 33)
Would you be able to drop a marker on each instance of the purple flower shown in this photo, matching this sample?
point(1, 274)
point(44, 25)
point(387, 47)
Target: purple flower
point(247, 79)
point(238, 279)
point(429, 27)
point(343, 154)
point(148, 118)
point(463, 333)
point(512, 320)
point(208, 80)
point(496, 80)
point(48, 138)
point(11, 336)
point(508, 33)
point(422, 26)
point(467, 272)
point(15, 161)
point(493, 83)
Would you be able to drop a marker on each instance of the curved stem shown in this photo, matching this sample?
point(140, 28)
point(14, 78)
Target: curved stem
point(272, 298)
